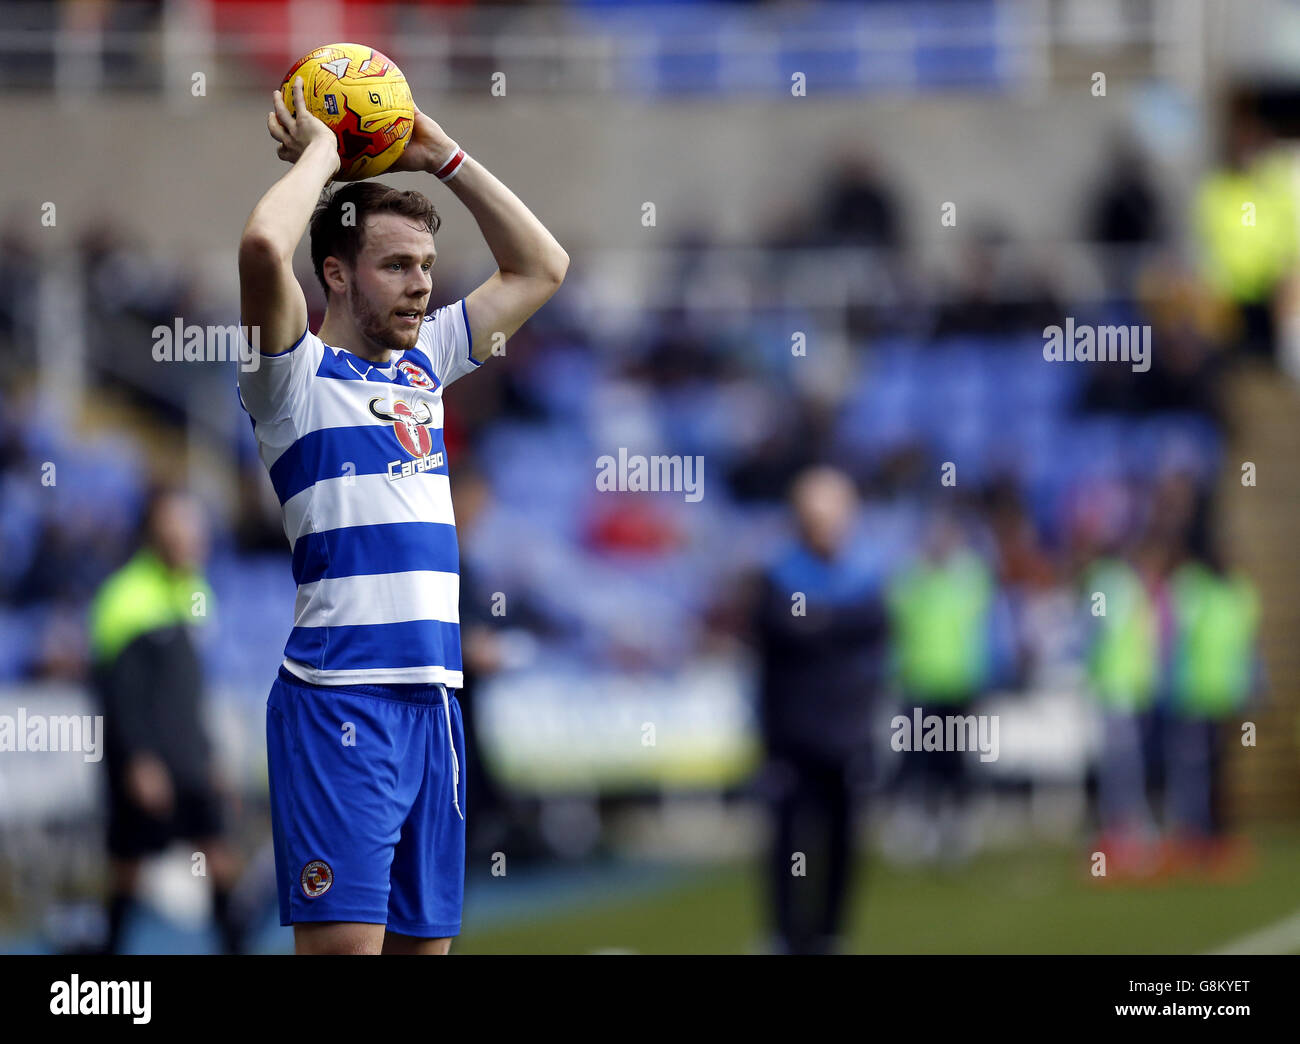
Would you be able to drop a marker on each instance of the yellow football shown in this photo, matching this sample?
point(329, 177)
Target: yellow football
point(363, 97)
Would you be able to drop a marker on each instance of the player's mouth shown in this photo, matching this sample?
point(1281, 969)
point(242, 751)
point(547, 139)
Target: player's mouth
point(410, 317)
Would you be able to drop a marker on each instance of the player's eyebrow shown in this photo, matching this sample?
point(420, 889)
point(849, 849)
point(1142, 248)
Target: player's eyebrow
point(431, 257)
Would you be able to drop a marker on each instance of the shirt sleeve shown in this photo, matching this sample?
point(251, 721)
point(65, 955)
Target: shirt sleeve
point(274, 390)
point(446, 340)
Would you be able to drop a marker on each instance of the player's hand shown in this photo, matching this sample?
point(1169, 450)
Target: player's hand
point(300, 129)
point(428, 149)
point(482, 650)
point(150, 784)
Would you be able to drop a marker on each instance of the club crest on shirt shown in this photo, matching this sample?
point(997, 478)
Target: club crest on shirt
point(417, 377)
point(412, 431)
point(316, 878)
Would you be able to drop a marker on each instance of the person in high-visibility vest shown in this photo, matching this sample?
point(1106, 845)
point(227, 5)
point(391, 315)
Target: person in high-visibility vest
point(148, 677)
point(941, 622)
point(1123, 668)
point(1214, 674)
point(1245, 220)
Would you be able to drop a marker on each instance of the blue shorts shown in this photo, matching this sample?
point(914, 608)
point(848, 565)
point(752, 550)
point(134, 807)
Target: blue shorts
point(367, 804)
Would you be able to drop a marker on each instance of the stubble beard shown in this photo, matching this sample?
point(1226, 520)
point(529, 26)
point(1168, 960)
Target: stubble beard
point(374, 327)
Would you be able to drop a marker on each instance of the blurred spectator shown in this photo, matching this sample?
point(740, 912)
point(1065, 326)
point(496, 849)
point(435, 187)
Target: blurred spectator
point(767, 471)
point(941, 618)
point(19, 287)
point(1178, 516)
point(624, 522)
point(993, 295)
point(820, 628)
point(1186, 371)
point(1214, 673)
point(1125, 208)
point(1246, 223)
point(1023, 561)
point(258, 526)
point(860, 207)
point(1123, 673)
point(162, 781)
point(1026, 573)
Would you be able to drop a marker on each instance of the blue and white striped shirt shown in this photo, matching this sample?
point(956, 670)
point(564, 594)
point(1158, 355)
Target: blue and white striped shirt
point(356, 456)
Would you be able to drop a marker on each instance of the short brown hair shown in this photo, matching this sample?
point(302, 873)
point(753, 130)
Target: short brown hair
point(331, 236)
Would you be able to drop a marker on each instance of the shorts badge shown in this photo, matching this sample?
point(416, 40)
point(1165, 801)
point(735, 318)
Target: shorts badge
point(316, 878)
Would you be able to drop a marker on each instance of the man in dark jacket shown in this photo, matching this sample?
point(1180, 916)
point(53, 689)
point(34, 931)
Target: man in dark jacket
point(820, 628)
point(148, 677)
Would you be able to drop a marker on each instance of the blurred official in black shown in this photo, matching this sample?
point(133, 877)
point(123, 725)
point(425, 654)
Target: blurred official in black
point(820, 630)
point(162, 779)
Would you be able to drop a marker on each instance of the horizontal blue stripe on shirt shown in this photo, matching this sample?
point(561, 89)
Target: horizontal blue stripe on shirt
point(323, 454)
point(395, 547)
point(412, 643)
point(342, 365)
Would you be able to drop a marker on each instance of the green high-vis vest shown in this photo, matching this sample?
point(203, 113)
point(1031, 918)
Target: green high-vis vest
point(1217, 624)
point(939, 615)
point(1246, 221)
point(1124, 656)
point(143, 596)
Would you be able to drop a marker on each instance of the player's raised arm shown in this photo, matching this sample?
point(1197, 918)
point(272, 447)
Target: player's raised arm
point(530, 263)
point(270, 297)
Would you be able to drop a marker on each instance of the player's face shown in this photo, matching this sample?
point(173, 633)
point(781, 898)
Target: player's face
point(392, 280)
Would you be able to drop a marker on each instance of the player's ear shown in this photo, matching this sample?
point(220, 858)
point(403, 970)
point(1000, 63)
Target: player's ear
point(335, 276)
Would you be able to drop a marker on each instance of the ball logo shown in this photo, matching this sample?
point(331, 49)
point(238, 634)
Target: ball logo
point(316, 878)
point(408, 425)
point(417, 377)
point(375, 65)
point(338, 67)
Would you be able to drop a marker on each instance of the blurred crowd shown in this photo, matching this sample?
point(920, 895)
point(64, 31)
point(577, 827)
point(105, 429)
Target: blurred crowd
point(682, 47)
point(1015, 521)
